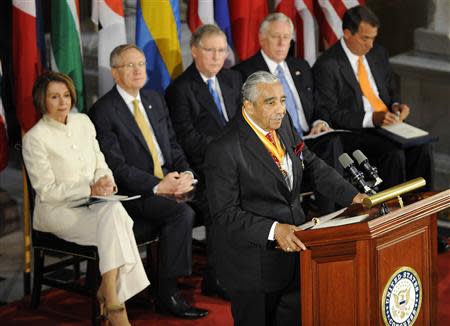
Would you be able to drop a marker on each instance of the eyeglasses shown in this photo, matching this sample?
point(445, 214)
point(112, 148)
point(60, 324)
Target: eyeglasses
point(211, 51)
point(284, 37)
point(130, 66)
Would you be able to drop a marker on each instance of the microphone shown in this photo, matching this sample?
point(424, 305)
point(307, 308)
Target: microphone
point(369, 170)
point(357, 177)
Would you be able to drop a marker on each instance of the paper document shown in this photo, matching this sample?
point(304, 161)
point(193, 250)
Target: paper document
point(101, 199)
point(405, 130)
point(321, 219)
point(325, 133)
point(341, 221)
point(116, 197)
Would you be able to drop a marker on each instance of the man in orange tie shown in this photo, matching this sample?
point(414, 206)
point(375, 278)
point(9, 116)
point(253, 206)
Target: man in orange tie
point(355, 90)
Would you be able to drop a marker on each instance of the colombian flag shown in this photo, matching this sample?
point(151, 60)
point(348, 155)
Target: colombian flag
point(158, 34)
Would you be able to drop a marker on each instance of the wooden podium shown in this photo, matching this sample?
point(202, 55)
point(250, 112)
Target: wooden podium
point(345, 273)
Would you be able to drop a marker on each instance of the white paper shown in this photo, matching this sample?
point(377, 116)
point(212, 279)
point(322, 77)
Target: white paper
point(405, 130)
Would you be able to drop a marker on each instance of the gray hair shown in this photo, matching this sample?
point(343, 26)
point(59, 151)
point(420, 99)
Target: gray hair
point(249, 91)
point(275, 17)
point(114, 57)
point(207, 29)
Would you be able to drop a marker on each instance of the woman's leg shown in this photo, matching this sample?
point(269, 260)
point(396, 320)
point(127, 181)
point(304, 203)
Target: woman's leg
point(108, 291)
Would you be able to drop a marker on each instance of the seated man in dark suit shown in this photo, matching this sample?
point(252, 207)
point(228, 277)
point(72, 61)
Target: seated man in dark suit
point(275, 35)
point(201, 101)
point(136, 136)
point(355, 90)
point(254, 173)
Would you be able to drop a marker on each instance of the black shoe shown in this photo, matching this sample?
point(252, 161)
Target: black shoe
point(212, 287)
point(178, 306)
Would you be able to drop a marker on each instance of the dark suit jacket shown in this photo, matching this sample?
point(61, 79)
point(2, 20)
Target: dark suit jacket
point(247, 193)
point(300, 72)
point(193, 111)
point(124, 147)
point(338, 95)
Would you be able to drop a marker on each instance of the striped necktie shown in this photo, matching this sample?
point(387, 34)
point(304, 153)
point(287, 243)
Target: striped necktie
point(149, 139)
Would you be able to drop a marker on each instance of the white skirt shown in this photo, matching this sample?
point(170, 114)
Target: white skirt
point(109, 227)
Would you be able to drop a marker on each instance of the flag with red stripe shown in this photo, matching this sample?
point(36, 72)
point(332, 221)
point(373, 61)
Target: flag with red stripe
point(246, 16)
point(26, 63)
point(216, 12)
point(301, 12)
point(329, 15)
point(108, 15)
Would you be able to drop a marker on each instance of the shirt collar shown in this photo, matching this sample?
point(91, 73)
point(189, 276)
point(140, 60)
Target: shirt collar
point(272, 64)
point(261, 130)
point(353, 58)
point(205, 79)
point(127, 97)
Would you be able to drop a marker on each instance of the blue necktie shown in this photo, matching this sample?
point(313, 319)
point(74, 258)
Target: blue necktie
point(290, 103)
point(217, 101)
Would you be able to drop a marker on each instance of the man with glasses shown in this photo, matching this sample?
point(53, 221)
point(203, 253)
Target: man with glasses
point(275, 35)
point(201, 102)
point(136, 136)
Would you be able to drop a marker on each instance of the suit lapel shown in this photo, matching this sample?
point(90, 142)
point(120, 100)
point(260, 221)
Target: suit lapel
point(127, 118)
point(296, 166)
point(376, 69)
point(225, 88)
point(260, 63)
point(349, 75)
point(257, 149)
point(201, 92)
point(297, 76)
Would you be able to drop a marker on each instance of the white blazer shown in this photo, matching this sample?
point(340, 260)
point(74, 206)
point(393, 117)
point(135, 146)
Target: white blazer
point(62, 160)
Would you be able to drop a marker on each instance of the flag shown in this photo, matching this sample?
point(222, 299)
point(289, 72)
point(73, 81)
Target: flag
point(212, 12)
point(158, 34)
point(246, 16)
point(66, 48)
point(26, 63)
point(108, 15)
point(3, 133)
point(330, 18)
point(301, 12)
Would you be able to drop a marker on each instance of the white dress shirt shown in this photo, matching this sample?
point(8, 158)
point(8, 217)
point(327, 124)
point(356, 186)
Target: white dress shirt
point(286, 164)
point(129, 102)
point(273, 70)
point(353, 58)
point(216, 86)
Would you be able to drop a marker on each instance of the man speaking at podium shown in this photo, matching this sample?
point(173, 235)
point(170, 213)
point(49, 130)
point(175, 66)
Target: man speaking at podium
point(254, 174)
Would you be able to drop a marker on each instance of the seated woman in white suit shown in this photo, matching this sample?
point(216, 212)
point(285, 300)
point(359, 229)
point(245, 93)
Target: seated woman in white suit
point(65, 164)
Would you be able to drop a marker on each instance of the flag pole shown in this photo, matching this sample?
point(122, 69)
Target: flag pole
point(26, 236)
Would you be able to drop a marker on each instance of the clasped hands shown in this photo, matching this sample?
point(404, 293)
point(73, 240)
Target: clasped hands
point(286, 238)
point(104, 186)
point(176, 184)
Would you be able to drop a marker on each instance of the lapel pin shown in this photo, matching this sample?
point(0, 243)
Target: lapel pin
point(149, 106)
point(297, 73)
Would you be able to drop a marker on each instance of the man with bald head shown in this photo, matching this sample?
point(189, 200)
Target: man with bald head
point(254, 174)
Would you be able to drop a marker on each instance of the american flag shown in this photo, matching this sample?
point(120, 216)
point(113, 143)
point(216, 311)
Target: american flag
point(318, 23)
